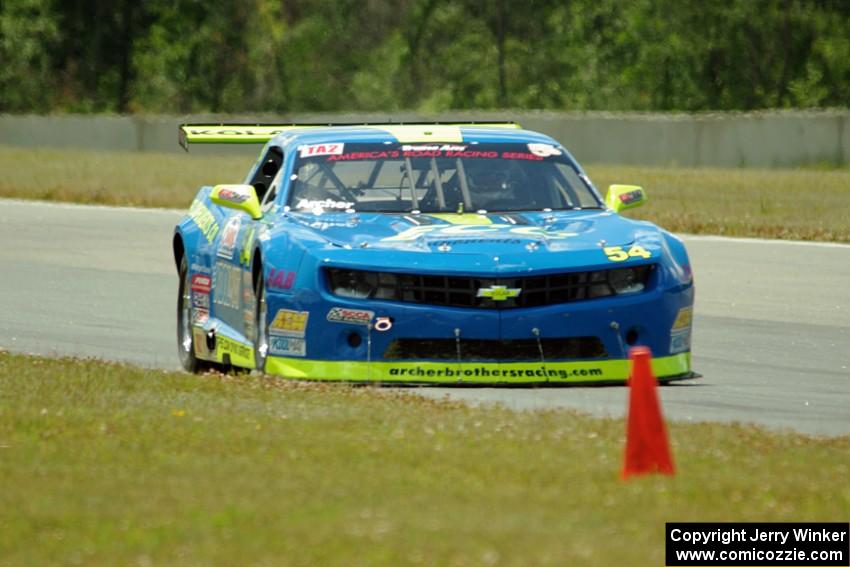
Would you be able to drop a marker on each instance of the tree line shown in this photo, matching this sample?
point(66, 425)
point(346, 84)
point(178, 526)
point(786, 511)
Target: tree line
point(181, 56)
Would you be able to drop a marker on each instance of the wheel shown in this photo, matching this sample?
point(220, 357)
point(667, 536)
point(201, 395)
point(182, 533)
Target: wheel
point(261, 338)
point(185, 340)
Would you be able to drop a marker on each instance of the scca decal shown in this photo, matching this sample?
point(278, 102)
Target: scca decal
point(280, 279)
point(353, 316)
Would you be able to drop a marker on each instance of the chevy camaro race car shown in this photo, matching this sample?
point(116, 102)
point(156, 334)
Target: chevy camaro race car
point(424, 253)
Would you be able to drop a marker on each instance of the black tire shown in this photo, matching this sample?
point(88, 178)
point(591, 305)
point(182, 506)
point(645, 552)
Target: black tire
point(261, 335)
point(185, 340)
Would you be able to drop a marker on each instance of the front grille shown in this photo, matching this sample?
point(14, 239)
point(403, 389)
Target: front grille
point(464, 291)
point(495, 350)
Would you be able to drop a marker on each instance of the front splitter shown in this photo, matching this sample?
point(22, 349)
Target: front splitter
point(668, 368)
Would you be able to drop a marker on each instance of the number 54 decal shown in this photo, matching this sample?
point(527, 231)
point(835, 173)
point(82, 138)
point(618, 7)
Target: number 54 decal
point(617, 254)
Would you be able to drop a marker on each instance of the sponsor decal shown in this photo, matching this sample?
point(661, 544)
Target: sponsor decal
point(321, 150)
point(199, 341)
point(680, 333)
point(383, 324)
point(247, 288)
point(544, 150)
point(287, 346)
point(521, 155)
point(683, 318)
point(247, 245)
point(250, 327)
point(498, 292)
point(227, 283)
point(473, 371)
point(289, 323)
point(433, 148)
point(200, 300)
point(494, 371)
point(631, 196)
point(324, 204)
point(451, 154)
point(225, 345)
point(680, 341)
point(200, 316)
point(204, 219)
point(232, 196)
point(477, 231)
point(228, 237)
point(446, 151)
point(201, 283)
point(352, 316)
point(389, 154)
point(271, 132)
point(280, 279)
point(470, 241)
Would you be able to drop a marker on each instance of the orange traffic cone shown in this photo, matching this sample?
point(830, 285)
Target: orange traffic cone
point(647, 448)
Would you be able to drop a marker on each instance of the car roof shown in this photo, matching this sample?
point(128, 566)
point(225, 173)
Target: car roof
point(413, 134)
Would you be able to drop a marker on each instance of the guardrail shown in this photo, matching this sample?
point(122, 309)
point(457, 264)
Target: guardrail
point(763, 139)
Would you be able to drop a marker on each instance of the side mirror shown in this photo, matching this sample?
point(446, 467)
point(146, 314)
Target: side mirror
point(622, 197)
point(239, 197)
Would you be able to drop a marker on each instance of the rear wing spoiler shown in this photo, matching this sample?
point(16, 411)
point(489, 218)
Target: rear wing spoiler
point(205, 133)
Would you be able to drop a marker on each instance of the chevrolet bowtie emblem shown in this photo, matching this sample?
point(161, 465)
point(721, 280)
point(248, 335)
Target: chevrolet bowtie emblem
point(499, 292)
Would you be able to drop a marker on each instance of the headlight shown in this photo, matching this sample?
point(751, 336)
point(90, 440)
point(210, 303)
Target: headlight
point(352, 283)
point(628, 280)
point(598, 285)
point(362, 284)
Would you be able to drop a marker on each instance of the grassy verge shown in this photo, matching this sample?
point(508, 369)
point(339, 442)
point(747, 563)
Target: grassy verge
point(809, 204)
point(114, 178)
point(796, 204)
point(102, 463)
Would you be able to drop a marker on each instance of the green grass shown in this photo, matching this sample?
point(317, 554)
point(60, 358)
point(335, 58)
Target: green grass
point(114, 178)
point(808, 204)
point(107, 464)
point(797, 204)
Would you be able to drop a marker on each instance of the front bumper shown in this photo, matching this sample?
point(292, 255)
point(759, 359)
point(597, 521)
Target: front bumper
point(330, 349)
point(668, 368)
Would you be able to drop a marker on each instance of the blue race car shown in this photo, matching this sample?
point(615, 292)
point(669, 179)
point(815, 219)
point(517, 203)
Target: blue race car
point(424, 253)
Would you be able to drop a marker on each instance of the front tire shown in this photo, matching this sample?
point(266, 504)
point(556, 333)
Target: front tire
point(261, 340)
point(185, 340)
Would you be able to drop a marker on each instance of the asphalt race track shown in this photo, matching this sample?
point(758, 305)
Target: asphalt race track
point(771, 330)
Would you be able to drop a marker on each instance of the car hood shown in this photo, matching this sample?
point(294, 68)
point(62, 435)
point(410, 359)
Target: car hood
point(515, 239)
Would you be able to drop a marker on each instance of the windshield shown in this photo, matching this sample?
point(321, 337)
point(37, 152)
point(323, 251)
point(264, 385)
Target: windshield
point(432, 178)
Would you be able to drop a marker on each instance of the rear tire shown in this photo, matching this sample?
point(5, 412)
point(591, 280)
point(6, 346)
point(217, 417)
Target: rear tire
point(185, 338)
